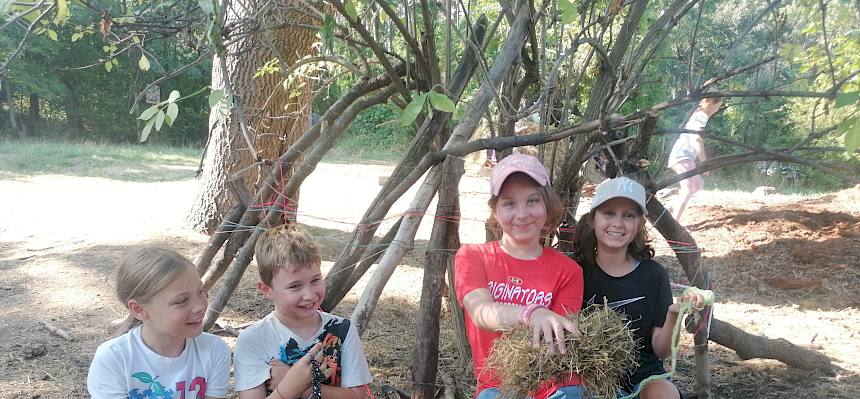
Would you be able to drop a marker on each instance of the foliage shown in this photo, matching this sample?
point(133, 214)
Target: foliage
point(375, 134)
point(87, 82)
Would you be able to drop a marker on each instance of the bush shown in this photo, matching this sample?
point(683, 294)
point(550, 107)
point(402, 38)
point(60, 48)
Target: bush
point(375, 134)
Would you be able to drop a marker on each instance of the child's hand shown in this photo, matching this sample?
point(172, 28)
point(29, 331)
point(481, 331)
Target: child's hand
point(552, 327)
point(298, 377)
point(279, 369)
point(697, 300)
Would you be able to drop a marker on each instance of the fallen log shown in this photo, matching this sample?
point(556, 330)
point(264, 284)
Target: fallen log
point(746, 345)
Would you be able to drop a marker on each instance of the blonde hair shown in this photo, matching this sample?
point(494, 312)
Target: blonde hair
point(144, 272)
point(551, 200)
point(287, 247)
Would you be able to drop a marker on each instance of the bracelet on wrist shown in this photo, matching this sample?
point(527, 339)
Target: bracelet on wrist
point(529, 310)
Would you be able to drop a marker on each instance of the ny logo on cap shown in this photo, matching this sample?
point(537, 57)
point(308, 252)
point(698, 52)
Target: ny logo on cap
point(625, 185)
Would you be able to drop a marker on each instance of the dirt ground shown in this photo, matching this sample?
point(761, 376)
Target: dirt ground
point(783, 266)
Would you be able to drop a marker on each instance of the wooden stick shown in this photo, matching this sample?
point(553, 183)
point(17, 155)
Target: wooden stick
point(57, 331)
point(438, 256)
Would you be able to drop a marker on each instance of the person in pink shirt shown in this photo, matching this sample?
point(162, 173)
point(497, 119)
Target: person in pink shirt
point(516, 280)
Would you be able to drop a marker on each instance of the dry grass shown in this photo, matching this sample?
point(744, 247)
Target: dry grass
point(602, 355)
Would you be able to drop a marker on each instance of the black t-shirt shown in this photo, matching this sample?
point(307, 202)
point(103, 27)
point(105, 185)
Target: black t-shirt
point(647, 287)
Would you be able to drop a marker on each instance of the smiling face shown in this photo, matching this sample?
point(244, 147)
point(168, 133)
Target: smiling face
point(175, 312)
point(616, 223)
point(521, 210)
point(296, 294)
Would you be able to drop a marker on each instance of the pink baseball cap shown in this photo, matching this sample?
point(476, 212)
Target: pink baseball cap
point(517, 163)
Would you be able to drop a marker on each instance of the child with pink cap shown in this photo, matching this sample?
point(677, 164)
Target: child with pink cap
point(516, 280)
point(611, 244)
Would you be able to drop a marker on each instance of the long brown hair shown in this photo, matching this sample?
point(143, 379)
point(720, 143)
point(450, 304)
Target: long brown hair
point(585, 240)
point(551, 200)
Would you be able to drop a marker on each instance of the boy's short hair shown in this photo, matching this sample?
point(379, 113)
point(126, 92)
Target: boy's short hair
point(287, 247)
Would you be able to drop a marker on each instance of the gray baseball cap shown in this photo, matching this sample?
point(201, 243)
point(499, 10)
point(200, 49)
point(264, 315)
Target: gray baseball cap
point(623, 187)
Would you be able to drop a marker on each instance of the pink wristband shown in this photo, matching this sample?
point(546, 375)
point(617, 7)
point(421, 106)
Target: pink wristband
point(527, 312)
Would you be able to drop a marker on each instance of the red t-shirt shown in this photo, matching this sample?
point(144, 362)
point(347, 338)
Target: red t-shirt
point(552, 280)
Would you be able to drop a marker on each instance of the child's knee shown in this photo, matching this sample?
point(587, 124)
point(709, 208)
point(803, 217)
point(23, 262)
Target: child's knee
point(660, 389)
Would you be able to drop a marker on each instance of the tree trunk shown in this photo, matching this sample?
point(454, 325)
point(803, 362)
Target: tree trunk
point(34, 117)
point(443, 240)
point(10, 102)
point(275, 117)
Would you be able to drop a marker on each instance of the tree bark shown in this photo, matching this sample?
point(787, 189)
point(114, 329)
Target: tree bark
point(34, 117)
point(10, 102)
point(276, 117)
point(749, 346)
point(439, 255)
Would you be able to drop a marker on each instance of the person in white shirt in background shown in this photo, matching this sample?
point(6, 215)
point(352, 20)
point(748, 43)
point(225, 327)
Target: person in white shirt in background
point(689, 150)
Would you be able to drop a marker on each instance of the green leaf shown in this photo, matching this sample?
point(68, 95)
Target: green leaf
point(172, 111)
point(143, 63)
point(852, 137)
point(159, 119)
point(326, 34)
point(135, 39)
point(148, 113)
point(844, 99)
point(413, 109)
point(207, 6)
point(108, 65)
point(115, 61)
point(174, 95)
point(441, 102)
point(105, 49)
point(568, 11)
point(144, 377)
point(62, 10)
point(52, 34)
point(351, 12)
point(215, 97)
point(144, 134)
point(77, 36)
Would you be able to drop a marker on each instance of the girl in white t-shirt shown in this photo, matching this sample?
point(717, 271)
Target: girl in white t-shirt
point(164, 353)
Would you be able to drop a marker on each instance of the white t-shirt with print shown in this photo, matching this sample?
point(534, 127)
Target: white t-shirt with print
point(261, 343)
point(124, 367)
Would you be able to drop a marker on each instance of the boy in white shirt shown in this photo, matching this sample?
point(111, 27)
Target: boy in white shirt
point(290, 277)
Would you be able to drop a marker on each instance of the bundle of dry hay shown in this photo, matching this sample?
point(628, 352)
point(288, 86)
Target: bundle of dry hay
point(602, 355)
